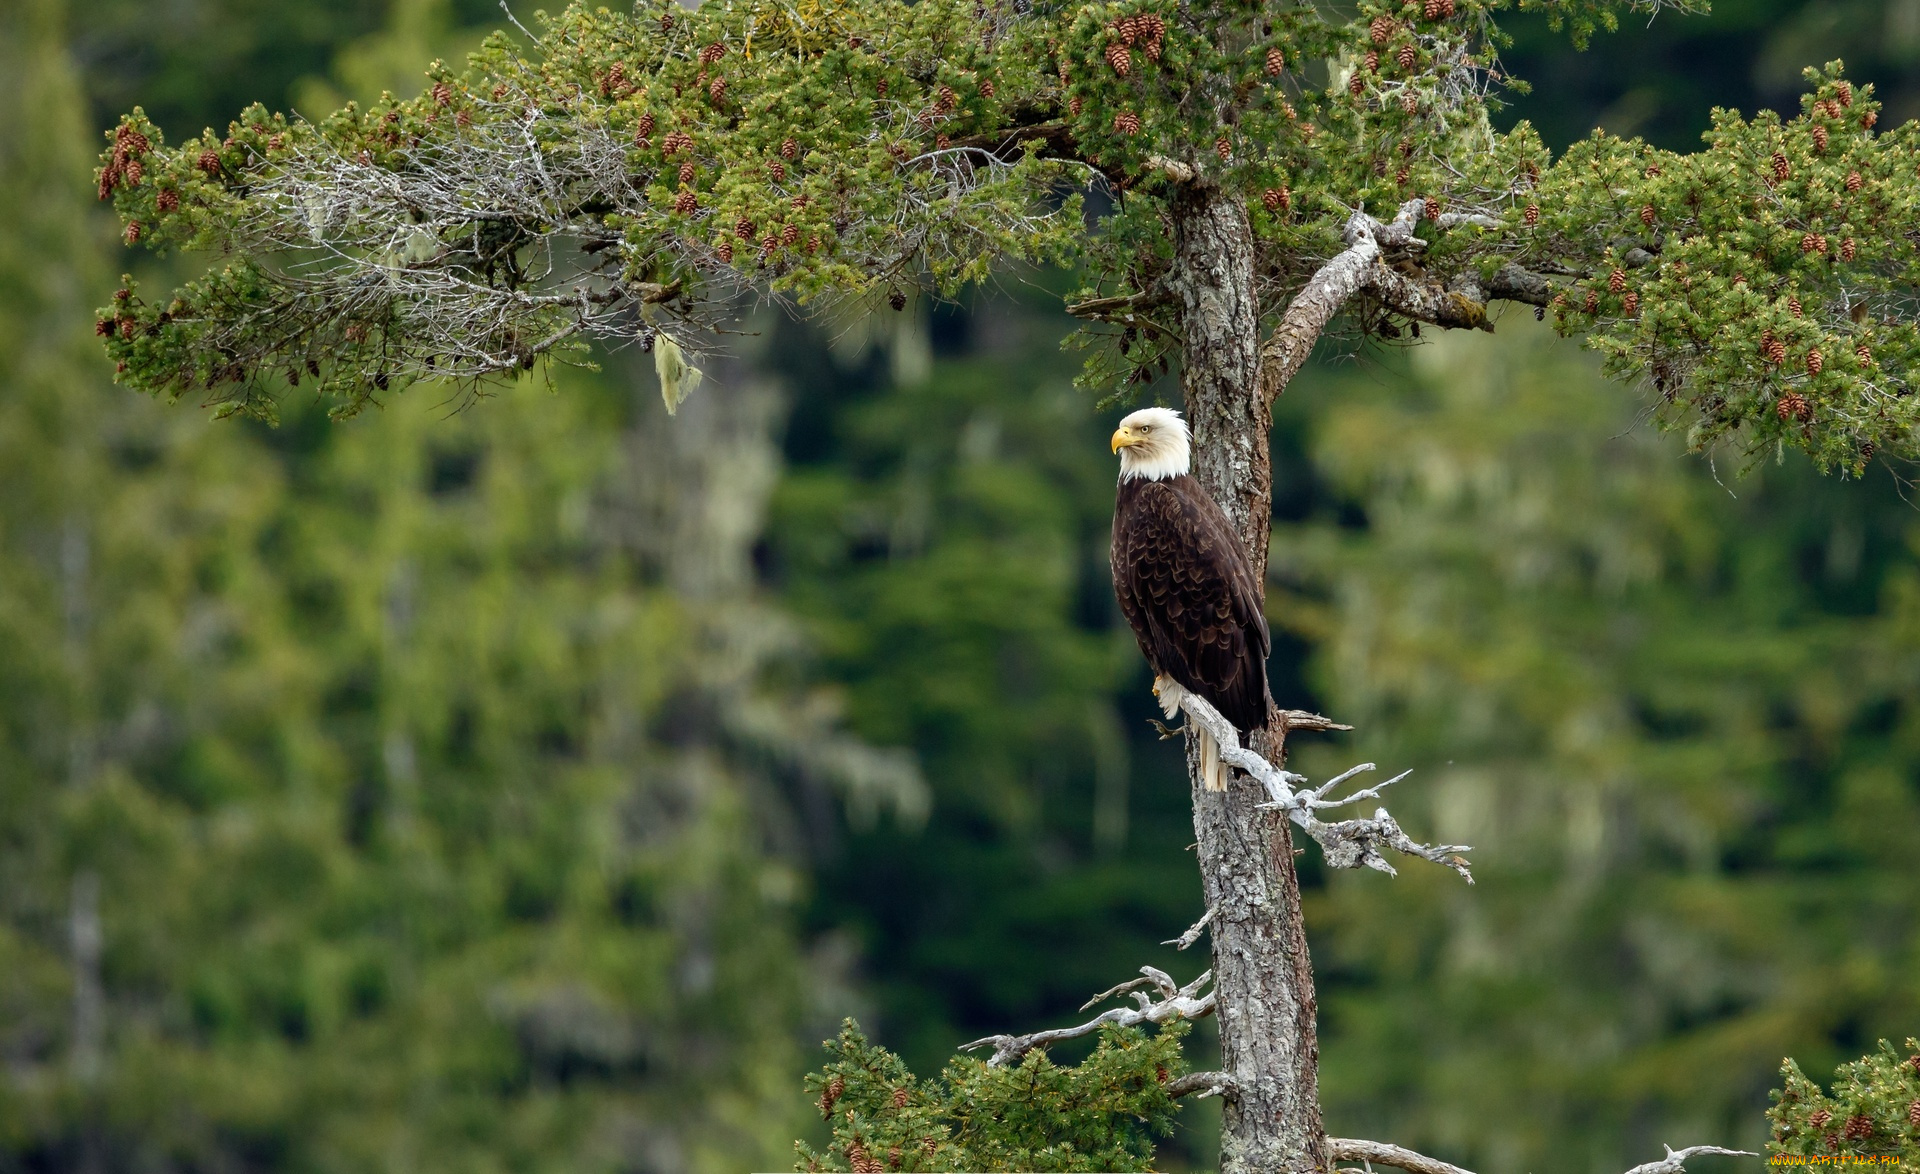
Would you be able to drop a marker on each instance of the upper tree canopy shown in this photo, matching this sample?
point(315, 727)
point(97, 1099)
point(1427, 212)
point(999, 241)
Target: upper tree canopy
point(633, 176)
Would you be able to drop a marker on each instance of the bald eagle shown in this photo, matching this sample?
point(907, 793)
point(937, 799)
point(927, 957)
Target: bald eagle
point(1185, 585)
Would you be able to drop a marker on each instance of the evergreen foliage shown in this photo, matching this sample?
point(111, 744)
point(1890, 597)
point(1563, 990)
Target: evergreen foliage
point(1098, 1115)
point(1874, 1110)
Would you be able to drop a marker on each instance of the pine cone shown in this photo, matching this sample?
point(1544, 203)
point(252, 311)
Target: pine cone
point(769, 243)
point(1854, 182)
point(831, 1096)
point(1271, 198)
point(167, 201)
point(1431, 9)
point(1593, 301)
point(1617, 281)
point(1858, 1127)
point(725, 249)
point(126, 327)
point(743, 228)
point(645, 126)
point(1356, 85)
point(1815, 361)
point(1127, 122)
point(1432, 208)
point(1813, 242)
point(880, 88)
point(1531, 215)
point(1819, 138)
point(1793, 306)
point(789, 149)
point(778, 171)
point(443, 93)
point(1152, 50)
point(1372, 61)
point(1864, 353)
point(1776, 352)
point(1630, 302)
point(790, 235)
point(897, 300)
point(464, 118)
point(1868, 119)
point(666, 23)
point(1380, 28)
point(1793, 406)
point(857, 1157)
point(893, 1158)
point(132, 234)
point(712, 53)
point(1401, 176)
point(1154, 27)
point(1074, 106)
point(717, 90)
point(103, 328)
point(1866, 451)
point(1913, 1114)
point(1409, 102)
point(1223, 147)
point(813, 245)
point(986, 90)
point(676, 142)
point(1647, 215)
point(1408, 56)
point(945, 99)
point(1845, 92)
point(1127, 28)
point(899, 1098)
point(942, 142)
point(1276, 61)
point(499, 91)
point(1119, 58)
point(1913, 1062)
point(210, 162)
point(1780, 168)
point(687, 171)
point(686, 202)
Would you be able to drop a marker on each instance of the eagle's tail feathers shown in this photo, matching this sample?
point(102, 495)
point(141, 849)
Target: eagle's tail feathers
point(1212, 769)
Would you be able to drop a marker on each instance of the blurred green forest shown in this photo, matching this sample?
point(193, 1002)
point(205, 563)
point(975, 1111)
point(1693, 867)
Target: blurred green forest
point(531, 784)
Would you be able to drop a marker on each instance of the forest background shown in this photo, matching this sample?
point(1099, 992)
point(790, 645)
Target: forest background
point(531, 784)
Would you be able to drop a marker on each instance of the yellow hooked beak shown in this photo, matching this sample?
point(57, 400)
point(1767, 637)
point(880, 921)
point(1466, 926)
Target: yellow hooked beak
point(1125, 438)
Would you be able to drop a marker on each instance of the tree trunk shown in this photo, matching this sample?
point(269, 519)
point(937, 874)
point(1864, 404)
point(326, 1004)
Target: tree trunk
point(1263, 978)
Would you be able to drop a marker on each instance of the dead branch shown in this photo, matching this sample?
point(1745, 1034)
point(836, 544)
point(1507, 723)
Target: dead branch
point(1176, 1002)
point(1201, 1085)
point(1347, 1149)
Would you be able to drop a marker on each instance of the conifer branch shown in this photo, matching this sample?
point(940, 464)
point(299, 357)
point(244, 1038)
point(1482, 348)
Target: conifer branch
point(1176, 1002)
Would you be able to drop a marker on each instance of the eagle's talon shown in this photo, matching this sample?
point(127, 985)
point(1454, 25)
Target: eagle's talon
point(1166, 733)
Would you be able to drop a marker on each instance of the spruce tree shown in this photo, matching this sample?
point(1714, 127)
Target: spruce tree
point(1265, 172)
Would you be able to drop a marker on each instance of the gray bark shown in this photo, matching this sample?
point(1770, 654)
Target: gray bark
point(1263, 977)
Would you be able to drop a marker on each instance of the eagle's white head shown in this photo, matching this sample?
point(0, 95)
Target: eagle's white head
point(1152, 444)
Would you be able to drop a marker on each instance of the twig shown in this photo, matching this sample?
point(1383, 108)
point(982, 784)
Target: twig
point(1193, 931)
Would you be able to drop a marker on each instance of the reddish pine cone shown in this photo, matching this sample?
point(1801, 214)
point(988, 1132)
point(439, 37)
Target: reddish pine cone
point(1593, 301)
point(986, 90)
point(1793, 406)
point(942, 142)
point(1630, 302)
point(1276, 61)
point(1813, 242)
point(725, 249)
point(1647, 215)
point(899, 1098)
point(1793, 306)
point(1129, 29)
point(831, 1095)
point(1372, 61)
point(1854, 182)
point(1858, 1126)
point(1223, 148)
point(1819, 1118)
point(857, 1158)
point(1847, 249)
point(1120, 58)
point(1153, 26)
point(210, 162)
point(945, 99)
point(132, 234)
point(645, 126)
point(893, 1158)
point(1432, 208)
point(1776, 351)
point(1356, 85)
point(1073, 105)
point(789, 149)
point(104, 328)
point(790, 235)
point(1815, 361)
point(1864, 353)
point(676, 142)
point(1868, 119)
point(1531, 215)
point(126, 328)
point(687, 172)
point(1271, 198)
point(743, 228)
point(1780, 168)
point(897, 300)
point(813, 244)
point(685, 202)
point(717, 90)
point(464, 118)
point(1401, 176)
point(1408, 56)
point(769, 243)
point(1913, 1114)
point(1431, 9)
point(1617, 281)
point(443, 93)
point(712, 53)
point(1127, 122)
point(1819, 138)
point(167, 201)
point(777, 170)
point(1380, 28)
point(1845, 91)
